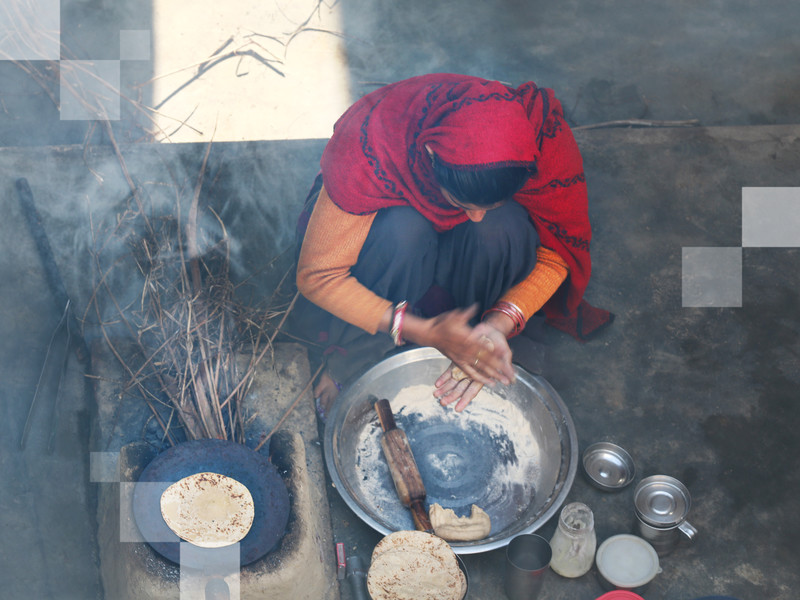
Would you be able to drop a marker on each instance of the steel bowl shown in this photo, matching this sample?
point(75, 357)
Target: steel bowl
point(515, 454)
point(608, 466)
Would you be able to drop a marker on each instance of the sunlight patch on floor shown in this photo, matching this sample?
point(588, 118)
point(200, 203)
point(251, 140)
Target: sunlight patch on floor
point(245, 70)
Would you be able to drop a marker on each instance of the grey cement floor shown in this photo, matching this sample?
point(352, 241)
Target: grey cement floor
point(707, 395)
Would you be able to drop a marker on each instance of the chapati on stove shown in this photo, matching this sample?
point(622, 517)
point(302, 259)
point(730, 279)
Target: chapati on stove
point(207, 509)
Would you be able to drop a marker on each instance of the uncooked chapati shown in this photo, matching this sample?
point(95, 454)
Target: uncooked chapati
point(449, 526)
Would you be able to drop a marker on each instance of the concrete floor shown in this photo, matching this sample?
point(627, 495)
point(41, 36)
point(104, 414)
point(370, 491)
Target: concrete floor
point(708, 395)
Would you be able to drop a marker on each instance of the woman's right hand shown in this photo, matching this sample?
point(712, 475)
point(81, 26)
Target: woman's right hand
point(481, 352)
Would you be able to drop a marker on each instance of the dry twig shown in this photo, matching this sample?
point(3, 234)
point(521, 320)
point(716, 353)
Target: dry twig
point(289, 410)
point(186, 325)
point(639, 123)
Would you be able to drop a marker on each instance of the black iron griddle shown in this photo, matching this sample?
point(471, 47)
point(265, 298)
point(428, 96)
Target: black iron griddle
point(270, 497)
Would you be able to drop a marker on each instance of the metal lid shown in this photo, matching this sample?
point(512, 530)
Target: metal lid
point(661, 501)
point(608, 466)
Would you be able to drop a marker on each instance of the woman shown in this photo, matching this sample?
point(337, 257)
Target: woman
point(446, 192)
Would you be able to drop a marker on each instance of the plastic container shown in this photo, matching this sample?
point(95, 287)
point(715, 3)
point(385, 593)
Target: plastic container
point(626, 562)
point(620, 595)
point(574, 541)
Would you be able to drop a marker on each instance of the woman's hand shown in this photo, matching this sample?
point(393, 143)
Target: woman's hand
point(480, 355)
point(482, 352)
point(492, 358)
point(454, 386)
point(492, 362)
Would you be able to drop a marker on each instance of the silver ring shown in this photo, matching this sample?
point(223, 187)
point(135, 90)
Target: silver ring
point(475, 364)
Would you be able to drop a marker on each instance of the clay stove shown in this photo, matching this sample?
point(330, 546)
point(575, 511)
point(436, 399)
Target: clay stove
point(301, 566)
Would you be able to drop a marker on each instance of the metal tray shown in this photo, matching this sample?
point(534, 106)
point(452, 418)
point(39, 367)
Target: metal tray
point(515, 455)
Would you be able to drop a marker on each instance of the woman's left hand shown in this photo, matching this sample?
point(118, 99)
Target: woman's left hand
point(457, 385)
point(454, 385)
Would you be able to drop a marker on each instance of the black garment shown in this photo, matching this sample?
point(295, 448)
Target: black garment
point(404, 258)
point(479, 262)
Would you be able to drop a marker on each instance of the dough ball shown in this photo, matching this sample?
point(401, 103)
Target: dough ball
point(448, 526)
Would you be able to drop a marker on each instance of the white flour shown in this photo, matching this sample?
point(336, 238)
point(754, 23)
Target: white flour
point(507, 450)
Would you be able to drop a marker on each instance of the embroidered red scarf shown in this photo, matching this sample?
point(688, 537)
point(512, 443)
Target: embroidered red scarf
point(377, 158)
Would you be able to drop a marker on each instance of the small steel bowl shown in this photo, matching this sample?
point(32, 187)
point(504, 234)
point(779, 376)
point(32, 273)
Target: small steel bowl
point(608, 466)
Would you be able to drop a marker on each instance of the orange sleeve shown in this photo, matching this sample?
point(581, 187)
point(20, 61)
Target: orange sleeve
point(530, 294)
point(330, 249)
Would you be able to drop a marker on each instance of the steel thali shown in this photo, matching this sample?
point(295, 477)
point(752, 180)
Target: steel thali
point(513, 451)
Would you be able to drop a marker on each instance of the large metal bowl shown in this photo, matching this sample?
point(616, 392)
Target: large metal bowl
point(515, 454)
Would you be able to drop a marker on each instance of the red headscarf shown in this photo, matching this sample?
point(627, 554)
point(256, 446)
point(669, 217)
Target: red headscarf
point(377, 158)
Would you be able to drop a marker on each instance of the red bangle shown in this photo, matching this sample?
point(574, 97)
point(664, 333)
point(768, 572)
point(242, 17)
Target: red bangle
point(513, 312)
point(397, 323)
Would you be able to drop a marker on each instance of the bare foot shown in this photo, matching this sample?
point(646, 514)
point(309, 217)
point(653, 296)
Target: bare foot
point(325, 391)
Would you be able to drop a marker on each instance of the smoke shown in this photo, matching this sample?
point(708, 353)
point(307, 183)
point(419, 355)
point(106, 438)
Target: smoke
point(240, 219)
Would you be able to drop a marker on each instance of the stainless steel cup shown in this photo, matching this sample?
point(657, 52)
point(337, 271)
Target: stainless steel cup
point(527, 560)
point(665, 539)
point(662, 504)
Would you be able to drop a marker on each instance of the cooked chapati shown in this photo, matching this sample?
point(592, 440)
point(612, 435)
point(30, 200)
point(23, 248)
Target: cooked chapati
point(414, 565)
point(208, 510)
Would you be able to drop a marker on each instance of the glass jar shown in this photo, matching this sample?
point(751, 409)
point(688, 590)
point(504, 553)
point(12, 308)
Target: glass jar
point(574, 541)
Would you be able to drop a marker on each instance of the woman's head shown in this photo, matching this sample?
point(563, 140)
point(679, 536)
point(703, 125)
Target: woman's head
point(480, 187)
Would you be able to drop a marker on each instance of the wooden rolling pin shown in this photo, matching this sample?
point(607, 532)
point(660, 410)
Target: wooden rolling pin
point(403, 467)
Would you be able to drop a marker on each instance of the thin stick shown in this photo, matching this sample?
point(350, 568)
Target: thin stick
point(61, 322)
point(191, 225)
point(311, 29)
point(290, 409)
point(205, 64)
point(51, 440)
point(169, 422)
point(285, 316)
point(141, 391)
point(215, 375)
point(255, 361)
point(640, 123)
point(127, 175)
